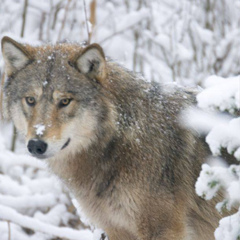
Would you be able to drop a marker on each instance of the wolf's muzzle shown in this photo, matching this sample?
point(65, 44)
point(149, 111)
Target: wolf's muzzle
point(37, 147)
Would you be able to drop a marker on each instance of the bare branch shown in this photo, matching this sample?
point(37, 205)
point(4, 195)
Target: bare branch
point(43, 18)
point(86, 21)
point(58, 8)
point(64, 20)
point(24, 15)
point(1, 95)
point(14, 139)
point(92, 18)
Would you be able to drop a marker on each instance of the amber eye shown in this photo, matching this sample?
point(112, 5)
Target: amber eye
point(30, 101)
point(64, 102)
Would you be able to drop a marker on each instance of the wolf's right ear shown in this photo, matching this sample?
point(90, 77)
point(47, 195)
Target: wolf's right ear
point(15, 55)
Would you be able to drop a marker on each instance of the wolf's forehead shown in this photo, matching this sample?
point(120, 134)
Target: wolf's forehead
point(52, 56)
point(57, 52)
point(51, 71)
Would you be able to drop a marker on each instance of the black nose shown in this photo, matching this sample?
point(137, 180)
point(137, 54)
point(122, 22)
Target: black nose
point(37, 147)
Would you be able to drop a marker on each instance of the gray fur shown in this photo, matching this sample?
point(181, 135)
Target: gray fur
point(134, 174)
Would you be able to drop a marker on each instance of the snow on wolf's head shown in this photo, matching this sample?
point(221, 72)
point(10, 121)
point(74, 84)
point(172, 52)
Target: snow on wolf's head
point(54, 94)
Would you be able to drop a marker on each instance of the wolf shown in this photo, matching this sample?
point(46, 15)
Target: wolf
point(114, 139)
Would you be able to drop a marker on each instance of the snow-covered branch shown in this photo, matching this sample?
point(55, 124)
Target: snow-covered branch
point(9, 214)
point(223, 133)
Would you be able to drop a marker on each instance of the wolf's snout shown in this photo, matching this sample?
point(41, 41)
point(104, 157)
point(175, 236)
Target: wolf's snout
point(37, 147)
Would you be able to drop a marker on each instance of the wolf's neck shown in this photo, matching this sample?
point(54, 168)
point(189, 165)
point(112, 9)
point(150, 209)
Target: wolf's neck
point(124, 84)
point(103, 161)
point(88, 170)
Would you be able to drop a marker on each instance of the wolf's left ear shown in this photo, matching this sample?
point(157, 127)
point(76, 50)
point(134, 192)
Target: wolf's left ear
point(15, 55)
point(92, 62)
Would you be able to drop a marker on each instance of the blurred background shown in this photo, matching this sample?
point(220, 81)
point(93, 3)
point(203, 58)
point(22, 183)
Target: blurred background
point(178, 41)
point(166, 40)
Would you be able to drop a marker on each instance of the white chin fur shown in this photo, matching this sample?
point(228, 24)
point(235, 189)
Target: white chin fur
point(56, 148)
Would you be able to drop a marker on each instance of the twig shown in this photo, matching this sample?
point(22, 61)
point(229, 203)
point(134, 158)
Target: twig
point(86, 21)
point(1, 95)
point(49, 18)
point(58, 8)
point(24, 15)
point(127, 5)
point(43, 18)
point(74, 20)
point(135, 55)
point(9, 230)
point(14, 138)
point(64, 20)
point(92, 17)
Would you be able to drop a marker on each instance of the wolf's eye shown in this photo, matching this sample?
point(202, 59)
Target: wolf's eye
point(30, 101)
point(64, 102)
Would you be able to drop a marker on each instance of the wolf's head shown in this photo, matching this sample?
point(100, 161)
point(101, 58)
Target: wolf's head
point(54, 95)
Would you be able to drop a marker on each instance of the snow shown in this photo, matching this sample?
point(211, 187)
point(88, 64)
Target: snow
point(184, 53)
point(204, 34)
point(9, 160)
point(220, 93)
point(225, 136)
point(40, 128)
point(229, 227)
point(203, 121)
point(45, 83)
point(12, 215)
point(130, 20)
point(33, 201)
point(211, 179)
point(83, 217)
point(11, 187)
point(164, 41)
